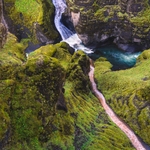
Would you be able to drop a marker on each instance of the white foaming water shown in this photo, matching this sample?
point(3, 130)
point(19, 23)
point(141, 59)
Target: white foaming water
point(126, 56)
point(67, 35)
point(60, 7)
point(76, 43)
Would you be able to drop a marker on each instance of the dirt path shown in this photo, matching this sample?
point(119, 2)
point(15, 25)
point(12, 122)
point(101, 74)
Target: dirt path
point(130, 134)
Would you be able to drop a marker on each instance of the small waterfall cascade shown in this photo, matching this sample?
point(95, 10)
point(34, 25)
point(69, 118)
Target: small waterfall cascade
point(67, 35)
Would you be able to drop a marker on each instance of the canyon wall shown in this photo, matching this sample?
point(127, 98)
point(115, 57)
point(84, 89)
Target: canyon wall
point(31, 19)
point(127, 21)
point(3, 30)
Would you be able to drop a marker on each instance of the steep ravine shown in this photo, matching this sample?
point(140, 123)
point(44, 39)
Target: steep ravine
point(130, 134)
point(127, 21)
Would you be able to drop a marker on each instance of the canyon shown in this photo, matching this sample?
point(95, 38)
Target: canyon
point(47, 101)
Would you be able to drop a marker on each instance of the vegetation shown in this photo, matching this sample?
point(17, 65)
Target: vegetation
point(47, 103)
point(143, 18)
point(126, 92)
point(31, 16)
point(46, 100)
point(100, 13)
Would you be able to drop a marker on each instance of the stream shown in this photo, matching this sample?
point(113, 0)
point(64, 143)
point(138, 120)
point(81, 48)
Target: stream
point(73, 40)
point(67, 35)
point(130, 134)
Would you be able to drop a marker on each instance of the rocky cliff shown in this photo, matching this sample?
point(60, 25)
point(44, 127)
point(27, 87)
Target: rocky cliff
point(31, 19)
point(46, 102)
point(126, 21)
point(3, 30)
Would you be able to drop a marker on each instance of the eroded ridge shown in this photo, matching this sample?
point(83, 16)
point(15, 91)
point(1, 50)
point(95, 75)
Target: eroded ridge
point(130, 134)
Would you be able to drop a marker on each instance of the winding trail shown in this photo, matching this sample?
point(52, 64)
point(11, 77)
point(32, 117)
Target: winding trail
point(130, 134)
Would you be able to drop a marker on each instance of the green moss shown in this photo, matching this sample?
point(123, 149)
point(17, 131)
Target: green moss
point(11, 56)
point(13, 48)
point(59, 51)
point(93, 128)
point(5, 95)
point(78, 70)
point(88, 126)
point(62, 54)
point(143, 17)
point(126, 91)
point(47, 20)
point(144, 56)
point(122, 15)
point(99, 14)
point(103, 65)
point(26, 14)
point(48, 50)
point(30, 107)
point(29, 8)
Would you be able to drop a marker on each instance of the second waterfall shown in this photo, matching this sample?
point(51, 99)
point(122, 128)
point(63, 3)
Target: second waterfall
point(67, 35)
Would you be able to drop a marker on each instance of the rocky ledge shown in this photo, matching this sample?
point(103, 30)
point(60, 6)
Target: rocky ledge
point(127, 21)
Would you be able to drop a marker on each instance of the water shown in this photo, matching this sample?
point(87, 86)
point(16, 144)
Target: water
point(67, 35)
point(60, 7)
point(118, 58)
point(76, 43)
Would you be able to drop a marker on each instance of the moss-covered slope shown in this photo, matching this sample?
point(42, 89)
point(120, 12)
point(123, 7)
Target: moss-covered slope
point(28, 18)
point(46, 103)
point(127, 92)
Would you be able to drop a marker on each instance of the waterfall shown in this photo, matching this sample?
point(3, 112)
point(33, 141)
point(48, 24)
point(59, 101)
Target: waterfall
point(60, 7)
point(67, 35)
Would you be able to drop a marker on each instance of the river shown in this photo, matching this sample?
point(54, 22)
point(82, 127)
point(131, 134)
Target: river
point(74, 41)
point(67, 35)
point(130, 134)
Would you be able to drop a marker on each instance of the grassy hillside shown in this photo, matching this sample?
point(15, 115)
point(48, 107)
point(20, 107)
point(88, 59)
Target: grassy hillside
point(127, 92)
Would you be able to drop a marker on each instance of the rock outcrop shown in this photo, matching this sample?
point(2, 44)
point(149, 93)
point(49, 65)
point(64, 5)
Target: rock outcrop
point(3, 30)
point(127, 21)
point(31, 19)
point(46, 101)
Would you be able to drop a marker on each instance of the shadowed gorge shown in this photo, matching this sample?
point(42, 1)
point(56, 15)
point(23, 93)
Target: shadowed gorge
point(47, 101)
point(118, 58)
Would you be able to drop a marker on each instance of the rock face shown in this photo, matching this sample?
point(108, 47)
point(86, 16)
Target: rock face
point(3, 30)
point(31, 19)
point(45, 99)
point(125, 20)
